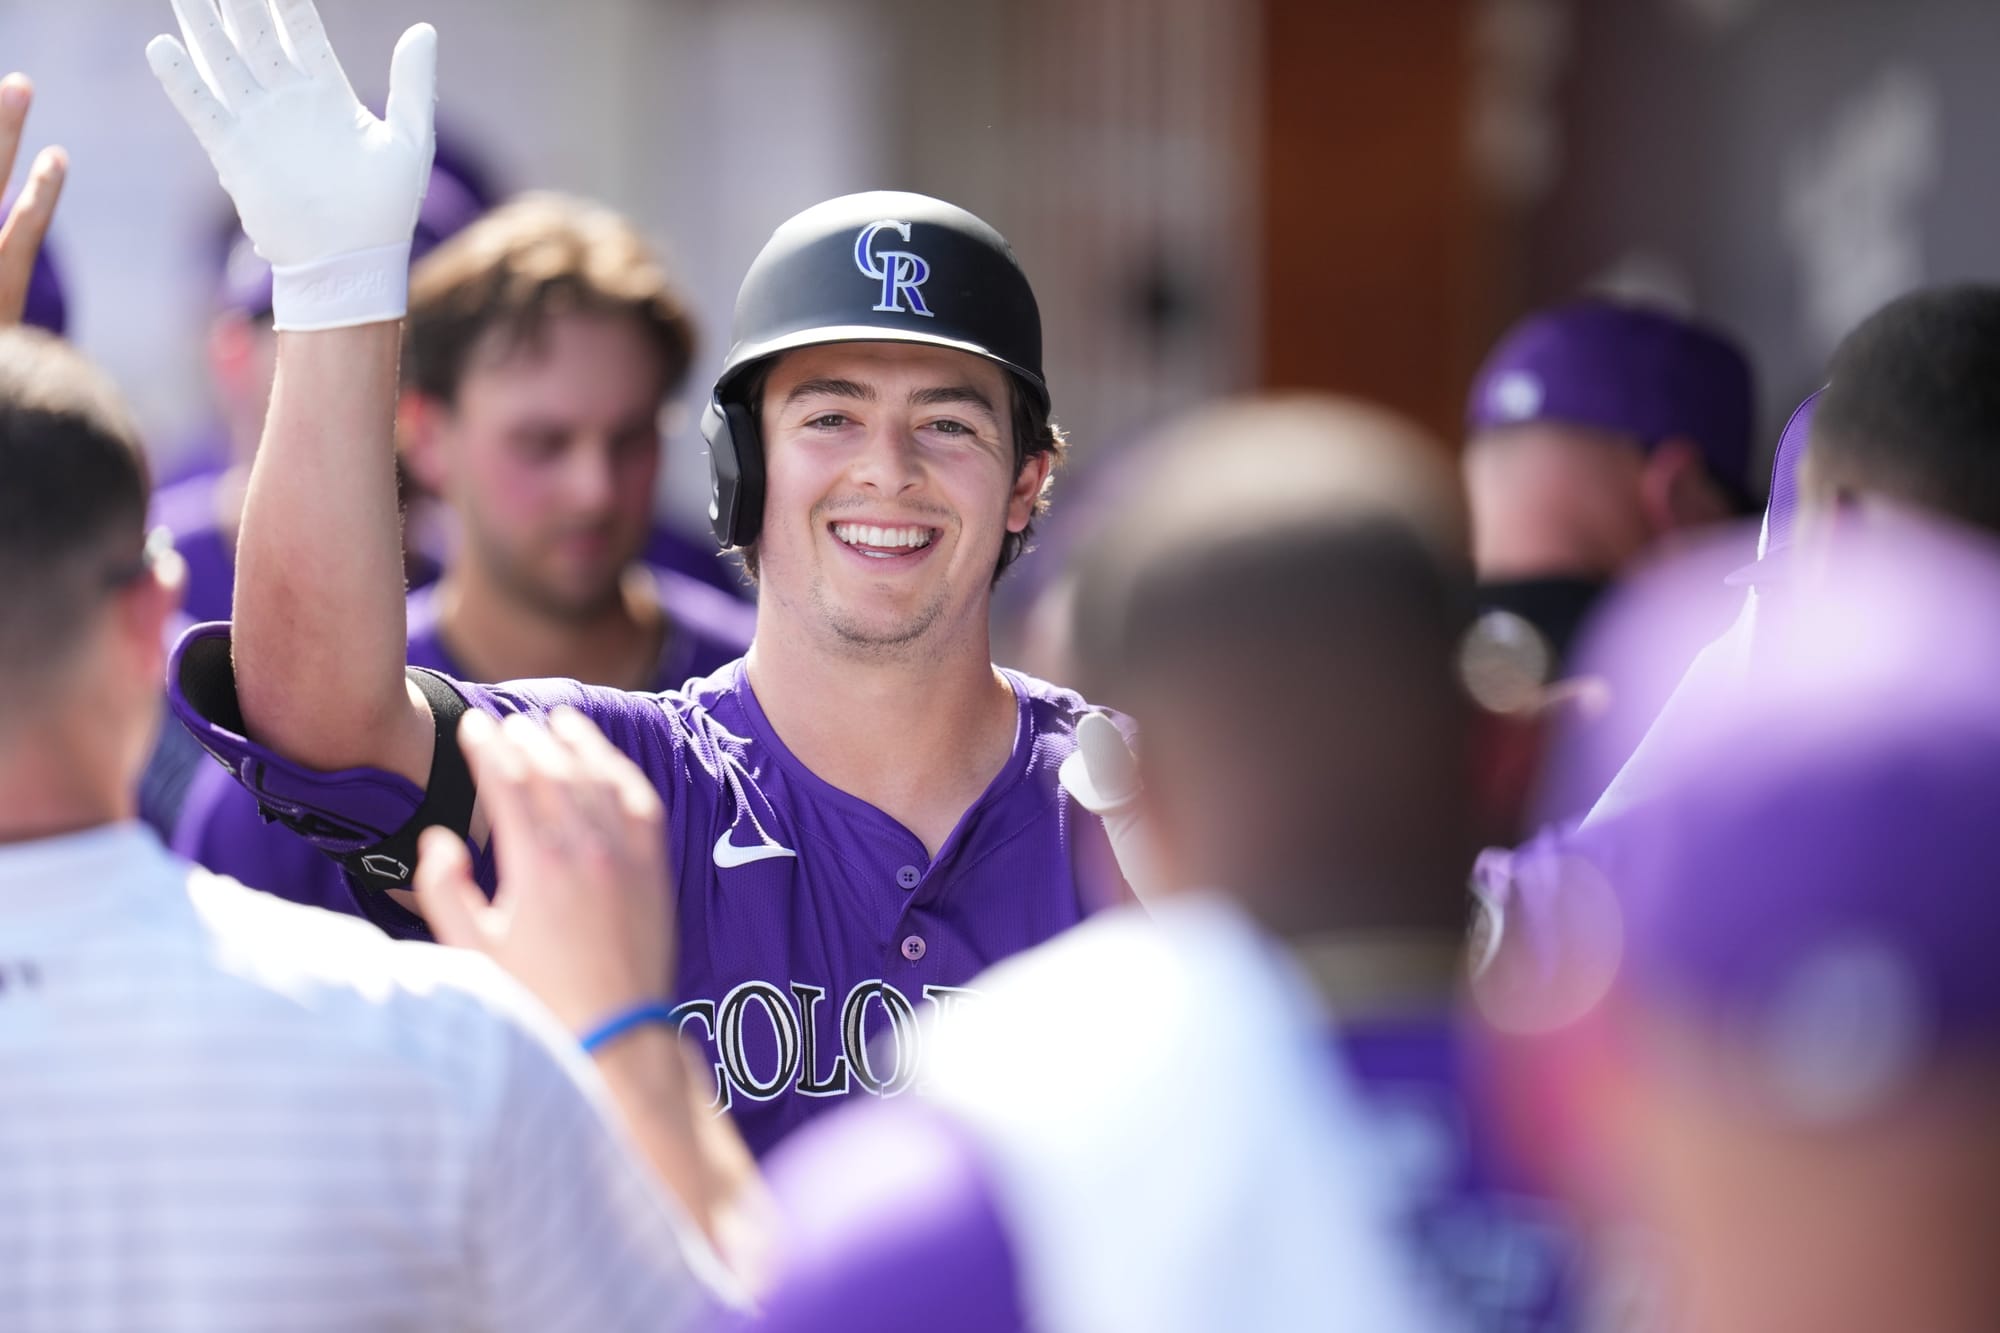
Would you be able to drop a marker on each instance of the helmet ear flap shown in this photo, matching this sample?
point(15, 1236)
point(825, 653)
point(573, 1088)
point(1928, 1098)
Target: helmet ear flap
point(735, 472)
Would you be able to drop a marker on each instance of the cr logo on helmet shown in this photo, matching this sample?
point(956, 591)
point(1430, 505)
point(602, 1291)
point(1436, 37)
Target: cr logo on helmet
point(901, 272)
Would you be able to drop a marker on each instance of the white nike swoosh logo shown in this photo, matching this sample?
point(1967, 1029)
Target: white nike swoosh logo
point(728, 854)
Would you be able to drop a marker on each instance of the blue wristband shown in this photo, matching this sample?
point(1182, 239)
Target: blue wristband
point(622, 1022)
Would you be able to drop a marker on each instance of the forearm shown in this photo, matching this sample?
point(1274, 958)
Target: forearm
point(319, 629)
point(697, 1157)
point(329, 193)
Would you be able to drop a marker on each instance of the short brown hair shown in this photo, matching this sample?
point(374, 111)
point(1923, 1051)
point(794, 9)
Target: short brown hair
point(1034, 433)
point(525, 263)
point(73, 495)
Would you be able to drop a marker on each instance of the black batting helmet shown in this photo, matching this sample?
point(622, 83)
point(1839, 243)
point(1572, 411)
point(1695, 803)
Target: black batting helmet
point(885, 266)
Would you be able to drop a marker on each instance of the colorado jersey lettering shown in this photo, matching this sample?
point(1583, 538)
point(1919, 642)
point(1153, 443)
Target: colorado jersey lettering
point(803, 971)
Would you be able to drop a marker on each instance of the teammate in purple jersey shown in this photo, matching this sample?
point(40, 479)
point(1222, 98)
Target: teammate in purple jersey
point(542, 342)
point(1256, 1108)
point(863, 812)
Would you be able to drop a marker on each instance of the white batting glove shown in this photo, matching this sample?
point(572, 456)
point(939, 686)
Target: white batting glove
point(327, 192)
point(1104, 778)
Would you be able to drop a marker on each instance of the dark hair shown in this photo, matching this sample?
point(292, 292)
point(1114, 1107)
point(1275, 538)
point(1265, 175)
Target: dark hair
point(524, 264)
point(73, 495)
point(1034, 433)
point(1912, 405)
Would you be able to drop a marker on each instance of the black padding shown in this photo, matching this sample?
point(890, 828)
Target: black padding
point(208, 682)
point(448, 799)
point(735, 472)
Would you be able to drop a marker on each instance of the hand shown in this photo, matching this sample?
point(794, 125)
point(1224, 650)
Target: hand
point(582, 915)
point(28, 221)
point(1104, 778)
point(328, 193)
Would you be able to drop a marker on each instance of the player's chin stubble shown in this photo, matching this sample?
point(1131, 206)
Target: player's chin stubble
point(877, 639)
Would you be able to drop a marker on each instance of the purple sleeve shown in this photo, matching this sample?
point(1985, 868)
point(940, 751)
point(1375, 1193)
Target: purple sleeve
point(222, 828)
point(892, 1227)
point(366, 818)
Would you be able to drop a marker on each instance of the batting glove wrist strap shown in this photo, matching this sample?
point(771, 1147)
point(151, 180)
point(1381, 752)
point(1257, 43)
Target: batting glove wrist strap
point(364, 287)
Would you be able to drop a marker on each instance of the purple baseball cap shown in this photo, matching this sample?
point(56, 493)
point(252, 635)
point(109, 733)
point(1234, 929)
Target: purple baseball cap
point(1812, 879)
point(1627, 369)
point(452, 202)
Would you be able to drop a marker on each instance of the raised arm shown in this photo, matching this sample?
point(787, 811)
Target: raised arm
point(329, 195)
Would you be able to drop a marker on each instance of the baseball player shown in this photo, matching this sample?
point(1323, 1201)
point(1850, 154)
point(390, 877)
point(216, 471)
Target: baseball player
point(225, 1112)
point(862, 812)
point(542, 343)
point(1795, 1071)
point(1251, 1108)
point(1595, 430)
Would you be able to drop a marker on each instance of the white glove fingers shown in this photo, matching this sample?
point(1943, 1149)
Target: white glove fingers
point(175, 69)
point(215, 55)
point(413, 85)
point(309, 43)
point(249, 24)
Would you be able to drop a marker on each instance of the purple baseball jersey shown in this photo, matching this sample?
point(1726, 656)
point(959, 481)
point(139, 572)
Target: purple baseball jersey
point(221, 826)
point(813, 929)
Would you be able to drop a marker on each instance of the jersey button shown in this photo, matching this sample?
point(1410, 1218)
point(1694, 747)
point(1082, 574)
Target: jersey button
point(913, 947)
point(908, 876)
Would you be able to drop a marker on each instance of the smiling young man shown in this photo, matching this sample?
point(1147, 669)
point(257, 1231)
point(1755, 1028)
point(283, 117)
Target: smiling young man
point(863, 812)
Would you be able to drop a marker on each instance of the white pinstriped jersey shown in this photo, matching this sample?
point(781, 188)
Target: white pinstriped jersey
point(222, 1111)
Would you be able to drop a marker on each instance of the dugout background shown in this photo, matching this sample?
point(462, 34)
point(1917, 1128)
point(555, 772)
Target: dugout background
point(1210, 194)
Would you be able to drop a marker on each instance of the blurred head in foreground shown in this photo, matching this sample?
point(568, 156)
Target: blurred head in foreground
point(1279, 601)
point(84, 599)
point(1800, 1070)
